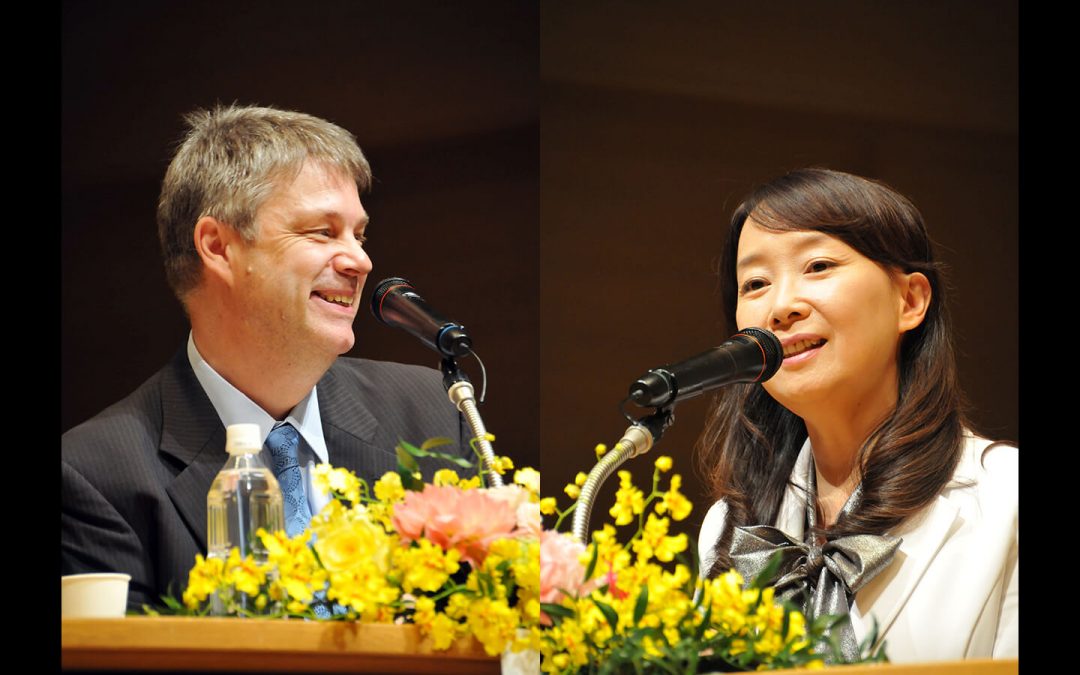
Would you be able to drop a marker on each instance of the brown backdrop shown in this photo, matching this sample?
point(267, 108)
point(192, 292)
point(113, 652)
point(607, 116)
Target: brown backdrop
point(595, 147)
point(657, 118)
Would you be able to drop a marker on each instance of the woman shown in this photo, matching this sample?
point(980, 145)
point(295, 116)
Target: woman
point(855, 459)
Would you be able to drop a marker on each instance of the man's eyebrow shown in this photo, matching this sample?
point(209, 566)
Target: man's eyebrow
point(323, 214)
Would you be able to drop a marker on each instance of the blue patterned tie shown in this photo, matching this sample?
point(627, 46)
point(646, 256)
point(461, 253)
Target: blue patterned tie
point(282, 443)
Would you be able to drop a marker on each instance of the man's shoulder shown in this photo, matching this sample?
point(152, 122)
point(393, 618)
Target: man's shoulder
point(136, 415)
point(135, 421)
point(387, 375)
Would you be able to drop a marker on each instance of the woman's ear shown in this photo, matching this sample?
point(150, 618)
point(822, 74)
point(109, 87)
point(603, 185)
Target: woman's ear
point(915, 296)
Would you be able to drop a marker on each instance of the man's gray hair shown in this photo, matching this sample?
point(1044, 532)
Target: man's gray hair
point(229, 162)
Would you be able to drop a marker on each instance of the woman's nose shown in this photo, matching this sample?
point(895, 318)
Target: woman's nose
point(788, 306)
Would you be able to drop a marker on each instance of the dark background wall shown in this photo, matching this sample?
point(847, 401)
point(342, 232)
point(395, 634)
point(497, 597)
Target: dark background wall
point(658, 118)
point(442, 99)
point(557, 177)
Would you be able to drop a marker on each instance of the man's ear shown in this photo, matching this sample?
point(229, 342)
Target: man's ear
point(915, 295)
point(215, 242)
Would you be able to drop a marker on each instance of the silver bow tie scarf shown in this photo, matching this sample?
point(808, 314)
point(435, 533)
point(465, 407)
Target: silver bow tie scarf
point(822, 577)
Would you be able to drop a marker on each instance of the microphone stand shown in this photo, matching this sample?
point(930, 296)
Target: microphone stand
point(460, 391)
point(638, 439)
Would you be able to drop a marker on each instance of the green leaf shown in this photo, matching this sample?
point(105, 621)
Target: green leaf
point(553, 610)
point(592, 561)
point(436, 442)
point(609, 613)
point(406, 457)
point(642, 604)
point(407, 467)
point(414, 452)
point(705, 623)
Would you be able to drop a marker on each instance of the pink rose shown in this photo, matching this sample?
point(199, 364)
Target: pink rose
point(452, 518)
point(560, 568)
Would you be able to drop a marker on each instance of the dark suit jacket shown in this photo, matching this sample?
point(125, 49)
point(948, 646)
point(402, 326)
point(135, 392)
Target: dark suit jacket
point(134, 478)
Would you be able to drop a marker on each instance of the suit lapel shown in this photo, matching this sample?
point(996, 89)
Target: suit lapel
point(193, 434)
point(354, 438)
point(886, 594)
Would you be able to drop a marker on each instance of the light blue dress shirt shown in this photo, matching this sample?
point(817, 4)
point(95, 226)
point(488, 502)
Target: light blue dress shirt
point(234, 407)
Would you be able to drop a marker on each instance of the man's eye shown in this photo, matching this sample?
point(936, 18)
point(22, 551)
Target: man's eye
point(362, 238)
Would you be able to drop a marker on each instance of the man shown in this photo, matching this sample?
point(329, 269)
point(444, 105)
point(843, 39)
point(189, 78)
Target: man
point(262, 232)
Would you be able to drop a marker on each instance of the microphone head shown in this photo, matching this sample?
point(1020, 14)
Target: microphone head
point(751, 355)
point(382, 290)
point(396, 303)
point(770, 347)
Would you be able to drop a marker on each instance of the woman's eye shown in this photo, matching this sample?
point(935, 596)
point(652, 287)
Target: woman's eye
point(751, 285)
point(819, 266)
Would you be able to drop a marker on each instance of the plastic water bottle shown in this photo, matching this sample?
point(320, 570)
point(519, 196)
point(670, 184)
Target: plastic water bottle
point(244, 497)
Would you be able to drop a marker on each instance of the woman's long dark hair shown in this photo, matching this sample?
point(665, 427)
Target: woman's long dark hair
point(750, 442)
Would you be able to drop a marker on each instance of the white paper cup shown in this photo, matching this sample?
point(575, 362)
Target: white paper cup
point(93, 596)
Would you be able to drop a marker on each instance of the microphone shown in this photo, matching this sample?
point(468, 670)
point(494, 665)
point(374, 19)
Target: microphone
point(396, 303)
point(751, 355)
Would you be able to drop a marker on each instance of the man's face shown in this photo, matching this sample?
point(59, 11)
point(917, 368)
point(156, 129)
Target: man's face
point(296, 287)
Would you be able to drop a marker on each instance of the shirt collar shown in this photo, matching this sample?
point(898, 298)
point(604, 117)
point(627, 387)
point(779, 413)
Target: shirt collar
point(234, 407)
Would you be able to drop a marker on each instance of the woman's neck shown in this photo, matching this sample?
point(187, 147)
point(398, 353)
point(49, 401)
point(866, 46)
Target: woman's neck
point(836, 437)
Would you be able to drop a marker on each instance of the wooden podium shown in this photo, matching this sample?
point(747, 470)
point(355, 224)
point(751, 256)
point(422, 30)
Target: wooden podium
point(271, 646)
point(274, 646)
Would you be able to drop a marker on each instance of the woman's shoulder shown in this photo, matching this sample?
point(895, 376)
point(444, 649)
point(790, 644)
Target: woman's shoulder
point(988, 470)
point(711, 527)
point(983, 459)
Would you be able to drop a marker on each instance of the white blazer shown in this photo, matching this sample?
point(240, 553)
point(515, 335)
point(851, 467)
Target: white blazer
point(952, 590)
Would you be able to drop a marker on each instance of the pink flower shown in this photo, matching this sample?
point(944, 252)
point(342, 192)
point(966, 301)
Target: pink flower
point(560, 568)
point(452, 518)
point(528, 520)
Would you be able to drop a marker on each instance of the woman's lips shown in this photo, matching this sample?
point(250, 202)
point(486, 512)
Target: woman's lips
point(801, 348)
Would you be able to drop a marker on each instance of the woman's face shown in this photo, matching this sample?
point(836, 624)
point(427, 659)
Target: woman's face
point(838, 314)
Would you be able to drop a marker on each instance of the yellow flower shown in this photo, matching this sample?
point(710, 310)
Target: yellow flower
point(443, 631)
point(655, 542)
point(663, 462)
point(445, 477)
point(528, 478)
point(205, 578)
point(629, 501)
point(244, 574)
point(573, 491)
point(389, 489)
point(503, 464)
point(341, 481)
point(425, 610)
point(426, 566)
point(600, 450)
point(493, 623)
point(547, 506)
point(580, 478)
point(470, 484)
point(674, 501)
point(354, 544)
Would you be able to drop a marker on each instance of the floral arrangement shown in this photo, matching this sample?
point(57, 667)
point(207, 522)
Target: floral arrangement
point(617, 607)
point(453, 557)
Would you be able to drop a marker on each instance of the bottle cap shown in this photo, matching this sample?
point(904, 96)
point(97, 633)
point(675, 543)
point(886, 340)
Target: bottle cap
point(242, 439)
